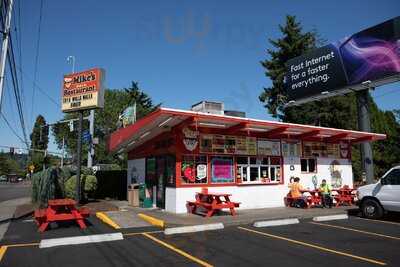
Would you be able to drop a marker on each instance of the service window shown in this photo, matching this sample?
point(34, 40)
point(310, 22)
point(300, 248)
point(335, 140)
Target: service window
point(194, 170)
point(308, 165)
point(242, 165)
point(259, 170)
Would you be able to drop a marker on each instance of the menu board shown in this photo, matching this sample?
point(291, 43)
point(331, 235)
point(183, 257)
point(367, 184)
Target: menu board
point(318, 149)
point(268, 148)
point(226, 144)
point(291, 148)
point(221, 170)
point(332, 151)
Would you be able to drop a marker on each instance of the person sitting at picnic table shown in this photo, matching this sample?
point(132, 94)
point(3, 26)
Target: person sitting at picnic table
point(326, 191)
point(295, 192)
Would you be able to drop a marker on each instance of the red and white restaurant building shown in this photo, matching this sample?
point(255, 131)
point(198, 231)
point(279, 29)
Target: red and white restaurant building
point(178, 152)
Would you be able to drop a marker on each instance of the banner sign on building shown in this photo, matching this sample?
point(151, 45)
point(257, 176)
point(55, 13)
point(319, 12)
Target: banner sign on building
point(372, 55)
point(83, 90)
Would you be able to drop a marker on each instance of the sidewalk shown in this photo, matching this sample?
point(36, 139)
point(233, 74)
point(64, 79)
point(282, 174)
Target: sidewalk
point(9, 207)
point(128, 217)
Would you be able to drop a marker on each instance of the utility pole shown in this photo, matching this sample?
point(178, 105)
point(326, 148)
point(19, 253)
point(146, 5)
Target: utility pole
point(364, 124)
point(63, 151)
point(91, 148)
point(79, 158)
point(79, 143)
point(4, 47)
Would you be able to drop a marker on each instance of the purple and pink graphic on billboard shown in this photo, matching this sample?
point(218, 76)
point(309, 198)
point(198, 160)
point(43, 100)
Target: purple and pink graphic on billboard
point(371, 55)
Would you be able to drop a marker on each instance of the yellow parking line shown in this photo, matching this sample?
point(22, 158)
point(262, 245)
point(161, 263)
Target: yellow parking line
point(141, 233)
point(177, 250)
point(23, 245)
point(356, 230)
point(3, 250)
point(315, 246)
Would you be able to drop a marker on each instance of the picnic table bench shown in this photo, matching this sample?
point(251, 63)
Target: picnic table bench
point(211, 203)
point(345, 196)
point(60, 210)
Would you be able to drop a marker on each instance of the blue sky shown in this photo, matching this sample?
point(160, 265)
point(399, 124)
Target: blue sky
point(180, 52)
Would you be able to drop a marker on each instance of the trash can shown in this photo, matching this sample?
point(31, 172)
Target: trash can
point(145, 201)
point(133, 195)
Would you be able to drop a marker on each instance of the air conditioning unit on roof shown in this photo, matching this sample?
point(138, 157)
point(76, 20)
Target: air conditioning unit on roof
point(209, 107)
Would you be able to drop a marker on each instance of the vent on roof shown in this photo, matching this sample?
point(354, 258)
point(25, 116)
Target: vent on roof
point(209, 107)
point(235, 113)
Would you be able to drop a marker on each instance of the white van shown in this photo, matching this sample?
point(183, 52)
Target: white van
point(376, 199)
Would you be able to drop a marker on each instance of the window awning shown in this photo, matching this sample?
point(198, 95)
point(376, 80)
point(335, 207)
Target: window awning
point(163, 119)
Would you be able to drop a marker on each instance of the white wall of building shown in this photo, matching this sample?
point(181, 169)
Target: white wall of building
point(334, 171)
point(267, 196)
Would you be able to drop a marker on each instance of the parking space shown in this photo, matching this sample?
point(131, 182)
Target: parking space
point(353, 242)
point(26, 230)
point(134, 251)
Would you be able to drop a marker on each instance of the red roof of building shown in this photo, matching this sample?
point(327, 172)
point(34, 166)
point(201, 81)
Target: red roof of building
point(163, 119)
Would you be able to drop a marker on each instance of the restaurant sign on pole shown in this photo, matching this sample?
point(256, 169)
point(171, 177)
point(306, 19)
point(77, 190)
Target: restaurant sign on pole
point(83, 90)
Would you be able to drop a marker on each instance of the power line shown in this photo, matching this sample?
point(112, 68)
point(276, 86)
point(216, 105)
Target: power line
point(43, 91)
point(36, 57)
point(11, 128)
point(14, 78)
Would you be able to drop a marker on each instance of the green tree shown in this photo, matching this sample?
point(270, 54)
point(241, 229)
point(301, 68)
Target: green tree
point(8, 165)
point(106, 122)
point(40, 134)
point(39, 140)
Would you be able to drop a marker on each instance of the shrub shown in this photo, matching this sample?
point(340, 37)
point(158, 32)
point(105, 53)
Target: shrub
point(88, 186)
point(45, 186)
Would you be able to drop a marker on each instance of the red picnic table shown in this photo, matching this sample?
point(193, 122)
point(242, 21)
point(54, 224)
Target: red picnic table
point(212, 202)
point(60, 210)
point(345, 196)
point(312, 200)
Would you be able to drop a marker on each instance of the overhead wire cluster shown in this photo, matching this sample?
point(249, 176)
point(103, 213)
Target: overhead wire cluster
point(18, 93)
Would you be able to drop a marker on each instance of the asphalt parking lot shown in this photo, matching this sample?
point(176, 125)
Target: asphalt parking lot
point(352, 242)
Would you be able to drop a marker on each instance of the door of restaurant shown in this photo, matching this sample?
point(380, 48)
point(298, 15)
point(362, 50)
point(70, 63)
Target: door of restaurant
point(161, 182)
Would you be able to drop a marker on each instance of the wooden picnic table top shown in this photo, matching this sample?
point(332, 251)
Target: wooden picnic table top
point(61, 202)
point(214, 194)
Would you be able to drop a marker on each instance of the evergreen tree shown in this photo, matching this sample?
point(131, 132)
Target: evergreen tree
point(40, 134)
point(144, 104)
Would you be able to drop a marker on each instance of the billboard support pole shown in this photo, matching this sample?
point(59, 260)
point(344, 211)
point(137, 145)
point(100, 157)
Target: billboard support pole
point(364, 124)
point(78, 158)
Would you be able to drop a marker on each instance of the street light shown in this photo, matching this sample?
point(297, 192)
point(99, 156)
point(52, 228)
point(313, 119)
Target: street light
point(71, 59)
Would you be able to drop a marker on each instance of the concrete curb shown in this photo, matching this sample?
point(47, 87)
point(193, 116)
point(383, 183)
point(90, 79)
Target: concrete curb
point(276, 222)
point(193, 228)
point(152, 220)
point(107, 220)
point(76, 240)
point(330, 218)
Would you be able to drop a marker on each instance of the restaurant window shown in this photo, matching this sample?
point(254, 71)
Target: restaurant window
point(194, 170)
point(222, 170)
point(308, 165)
point(258, 169)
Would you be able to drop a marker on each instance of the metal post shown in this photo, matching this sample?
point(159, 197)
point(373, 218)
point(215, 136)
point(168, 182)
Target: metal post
point(63, 151)
point(78, 158)
point(4, 48)
point(91, 148)
point(364, 124)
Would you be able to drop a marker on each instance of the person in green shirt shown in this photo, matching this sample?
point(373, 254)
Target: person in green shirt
point(326, 190)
